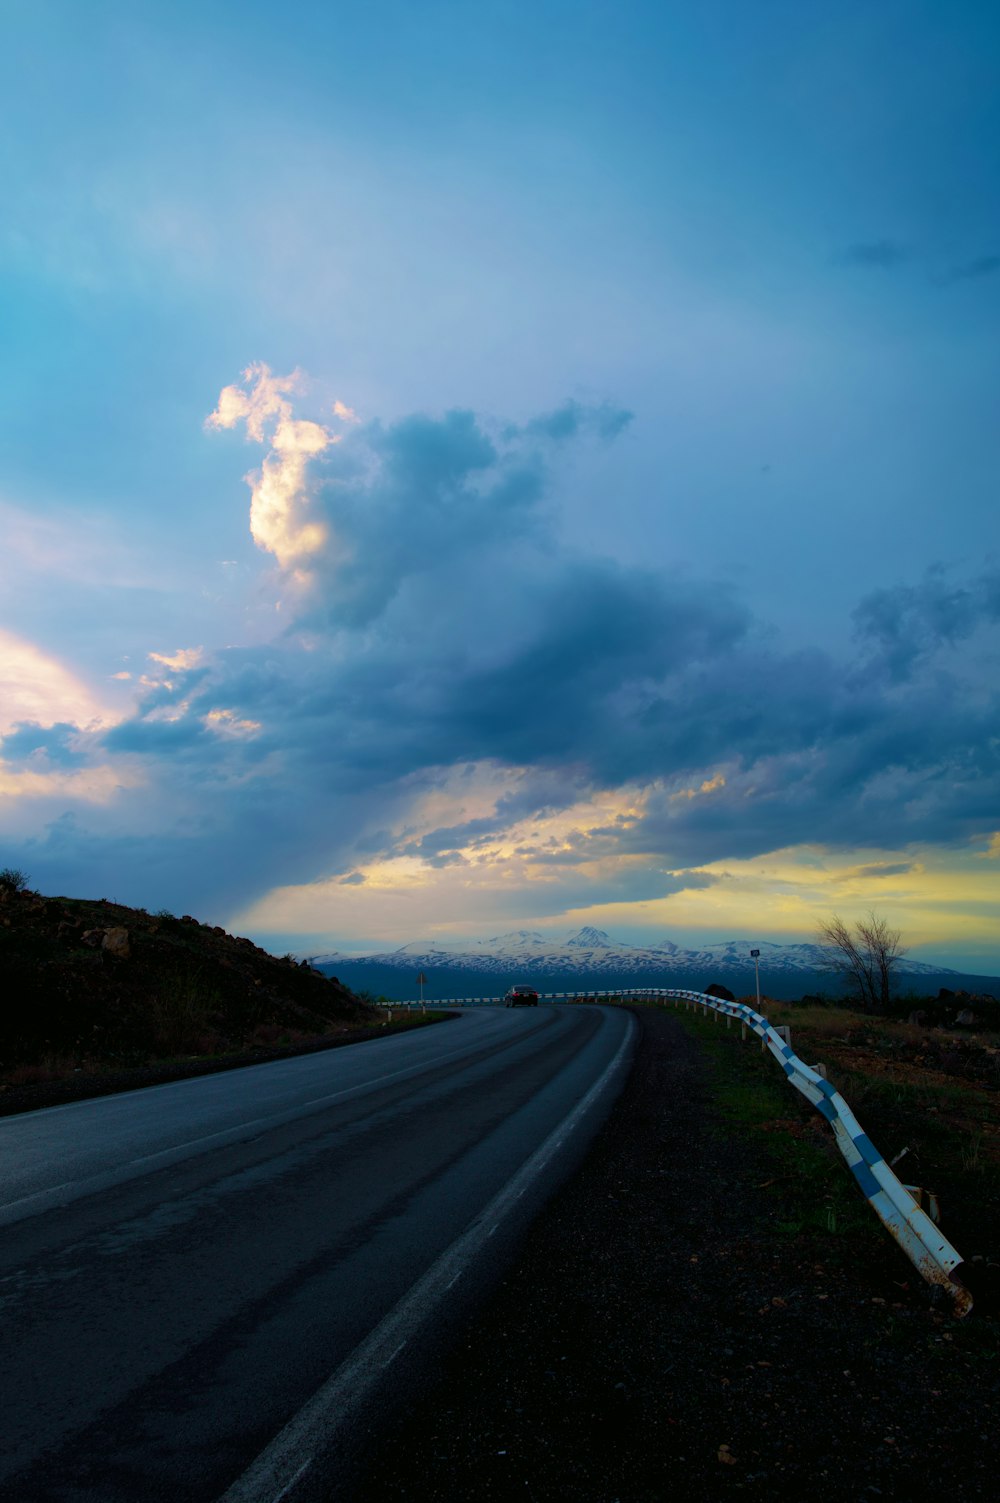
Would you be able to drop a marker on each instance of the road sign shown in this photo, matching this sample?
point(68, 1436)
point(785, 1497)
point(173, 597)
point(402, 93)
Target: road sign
point(754, 954)
point(421, 979)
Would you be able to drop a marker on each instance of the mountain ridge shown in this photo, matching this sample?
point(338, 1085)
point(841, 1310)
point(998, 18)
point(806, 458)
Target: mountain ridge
point(589, 951)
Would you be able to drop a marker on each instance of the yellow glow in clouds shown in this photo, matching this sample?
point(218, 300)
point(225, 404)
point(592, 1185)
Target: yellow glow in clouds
point(38, 688)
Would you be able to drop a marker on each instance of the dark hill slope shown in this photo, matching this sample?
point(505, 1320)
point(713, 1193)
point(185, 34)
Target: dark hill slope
point(91, 983)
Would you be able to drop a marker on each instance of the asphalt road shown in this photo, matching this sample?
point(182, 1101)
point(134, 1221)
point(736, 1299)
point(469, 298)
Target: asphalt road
point(209, 1287)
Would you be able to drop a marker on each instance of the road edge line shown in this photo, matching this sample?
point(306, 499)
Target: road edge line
point(276, 1469)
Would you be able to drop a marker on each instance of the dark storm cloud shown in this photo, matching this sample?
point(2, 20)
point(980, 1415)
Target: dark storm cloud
point(58, 744)
point(76, 856)
point(563, 887)
point(885, 869)
point(972, 271)
point(880, 255)
point(628, 883)
point(426, 497)
point(474, 832)
point(449, 628)
point(156, 736)
point(811, 751)
point(446, 858)
point(904, 626)
point(574, 418)
point(604, 634)
point(540, 793)
point(924, 767)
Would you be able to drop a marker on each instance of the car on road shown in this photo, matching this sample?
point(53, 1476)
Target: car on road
point(521, 996)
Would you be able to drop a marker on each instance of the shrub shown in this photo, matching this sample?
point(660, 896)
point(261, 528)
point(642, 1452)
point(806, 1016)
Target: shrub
point(179, 1013)
point(13, 879)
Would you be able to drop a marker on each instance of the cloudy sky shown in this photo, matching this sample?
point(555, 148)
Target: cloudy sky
point(473, 466)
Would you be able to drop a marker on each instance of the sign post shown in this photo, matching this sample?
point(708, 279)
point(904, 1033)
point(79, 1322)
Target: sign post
point(421, 982)
point(755, 957)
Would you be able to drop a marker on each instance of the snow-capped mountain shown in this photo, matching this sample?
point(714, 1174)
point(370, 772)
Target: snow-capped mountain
point(590, 952)
point(590, 938)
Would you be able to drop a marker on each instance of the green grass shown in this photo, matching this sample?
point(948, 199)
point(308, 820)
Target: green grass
point(810, 1194)
point(946, 1127)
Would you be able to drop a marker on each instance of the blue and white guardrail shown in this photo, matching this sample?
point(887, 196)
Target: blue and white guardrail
point(923, 1243)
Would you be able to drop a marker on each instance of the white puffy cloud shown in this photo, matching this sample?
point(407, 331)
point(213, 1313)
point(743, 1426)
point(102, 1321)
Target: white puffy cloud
point(266, 399)
point(283, 520)
point(180, 660)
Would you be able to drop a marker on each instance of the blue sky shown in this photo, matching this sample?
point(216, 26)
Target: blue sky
point(598, 518)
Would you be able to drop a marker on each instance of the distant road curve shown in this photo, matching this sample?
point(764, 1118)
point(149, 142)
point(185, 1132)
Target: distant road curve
point(210, 1288)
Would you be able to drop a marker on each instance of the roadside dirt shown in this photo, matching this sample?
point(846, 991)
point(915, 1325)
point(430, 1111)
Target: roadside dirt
point(661, 1335)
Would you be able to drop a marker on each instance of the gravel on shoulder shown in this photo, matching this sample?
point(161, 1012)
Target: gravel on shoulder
point(660, 1334)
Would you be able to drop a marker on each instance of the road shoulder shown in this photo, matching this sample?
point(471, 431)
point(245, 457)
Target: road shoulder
point(661, 1332)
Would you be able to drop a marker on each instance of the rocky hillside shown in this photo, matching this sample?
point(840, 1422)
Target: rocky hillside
point(90, 983)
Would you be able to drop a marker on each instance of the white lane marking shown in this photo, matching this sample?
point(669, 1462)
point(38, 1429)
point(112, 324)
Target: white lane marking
point(300, 1473)
point(300, 1106)
point(9, 1205)
point(331, 1407)
point(390, 1359)
point(108, 1178)
point(225, 1132)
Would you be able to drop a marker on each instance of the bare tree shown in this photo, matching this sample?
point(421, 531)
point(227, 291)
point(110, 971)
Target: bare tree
point(866, 956)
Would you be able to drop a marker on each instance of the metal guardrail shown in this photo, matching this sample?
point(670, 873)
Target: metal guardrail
point(923, 1243)
point(621, 991)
